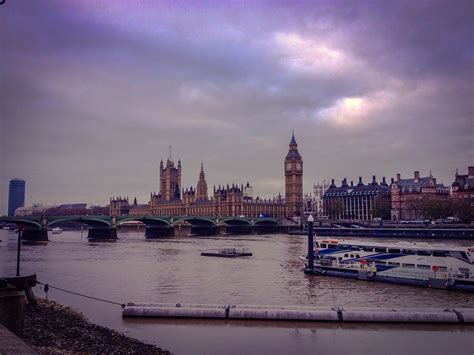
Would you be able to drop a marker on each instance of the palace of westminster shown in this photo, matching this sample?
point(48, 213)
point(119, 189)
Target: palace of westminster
point(401, 199)
point(234, 200)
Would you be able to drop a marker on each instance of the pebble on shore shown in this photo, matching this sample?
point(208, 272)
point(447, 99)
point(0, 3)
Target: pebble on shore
point(51, 328)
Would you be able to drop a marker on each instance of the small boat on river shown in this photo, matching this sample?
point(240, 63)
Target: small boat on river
point(227, 253)
point(418, 264)
point(56, 230)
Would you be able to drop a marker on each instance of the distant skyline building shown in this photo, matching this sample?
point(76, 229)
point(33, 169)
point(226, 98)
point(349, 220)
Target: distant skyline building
point(319, 190)
point(409, 195)
point(356, 201)
point(16, 195)
point(463, 186)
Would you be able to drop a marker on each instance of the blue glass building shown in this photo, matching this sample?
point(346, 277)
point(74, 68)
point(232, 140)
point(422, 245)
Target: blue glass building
point(16, 195)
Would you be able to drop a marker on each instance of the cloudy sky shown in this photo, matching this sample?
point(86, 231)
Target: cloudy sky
point(93, 92)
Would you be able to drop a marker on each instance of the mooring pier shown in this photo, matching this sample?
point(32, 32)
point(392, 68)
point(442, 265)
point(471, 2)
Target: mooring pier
point(300, 313)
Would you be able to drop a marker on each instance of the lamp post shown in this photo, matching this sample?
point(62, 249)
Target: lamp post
point(20, 232)
point(310, 244)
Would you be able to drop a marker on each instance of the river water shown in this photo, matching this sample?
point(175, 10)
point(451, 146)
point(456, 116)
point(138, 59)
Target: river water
point(134, 269)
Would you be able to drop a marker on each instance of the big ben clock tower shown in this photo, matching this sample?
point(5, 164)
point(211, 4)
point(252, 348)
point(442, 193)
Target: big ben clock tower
point(293, 180)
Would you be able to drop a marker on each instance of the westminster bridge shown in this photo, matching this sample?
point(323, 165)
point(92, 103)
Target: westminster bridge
point(35, 228)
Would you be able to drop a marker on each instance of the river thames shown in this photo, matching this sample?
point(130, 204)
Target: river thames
point(134, 269)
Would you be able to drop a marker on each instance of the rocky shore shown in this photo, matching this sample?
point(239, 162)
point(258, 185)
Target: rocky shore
point(51, 328)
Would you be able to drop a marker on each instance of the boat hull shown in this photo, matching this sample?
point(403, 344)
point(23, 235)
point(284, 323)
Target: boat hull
point(462, 285)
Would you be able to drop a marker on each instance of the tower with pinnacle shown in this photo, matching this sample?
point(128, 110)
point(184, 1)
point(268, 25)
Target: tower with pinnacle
point(201, 188)
point(293, 168)
point(170, 180)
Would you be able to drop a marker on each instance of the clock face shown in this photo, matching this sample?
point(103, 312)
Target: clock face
point(288, 166)
point(298, 166)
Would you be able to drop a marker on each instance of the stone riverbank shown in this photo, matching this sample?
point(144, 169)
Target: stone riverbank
point(51, 328)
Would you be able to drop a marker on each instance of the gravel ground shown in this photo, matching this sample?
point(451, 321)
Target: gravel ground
point(54, 329)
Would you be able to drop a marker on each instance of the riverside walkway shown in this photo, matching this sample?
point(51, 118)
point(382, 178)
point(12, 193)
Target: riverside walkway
point(10, 344)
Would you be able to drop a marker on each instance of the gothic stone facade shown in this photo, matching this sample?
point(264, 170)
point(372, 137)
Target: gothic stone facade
point(234, 200)
point(228, 200)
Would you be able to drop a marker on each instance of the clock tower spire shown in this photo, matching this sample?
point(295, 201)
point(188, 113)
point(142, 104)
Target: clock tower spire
point(293, 180)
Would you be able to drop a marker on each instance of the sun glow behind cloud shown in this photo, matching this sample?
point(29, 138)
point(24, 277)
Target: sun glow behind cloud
point(358, 111)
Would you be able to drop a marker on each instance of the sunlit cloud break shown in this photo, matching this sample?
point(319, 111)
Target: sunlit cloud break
point(306, 54)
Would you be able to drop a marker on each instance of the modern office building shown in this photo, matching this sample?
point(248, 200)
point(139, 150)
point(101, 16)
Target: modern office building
point(16, 195)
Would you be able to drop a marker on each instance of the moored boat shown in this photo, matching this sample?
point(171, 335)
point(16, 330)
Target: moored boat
point(56, 230)
point(419, 264)
point(227, 253)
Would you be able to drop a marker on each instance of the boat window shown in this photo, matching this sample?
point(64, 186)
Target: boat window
point(408, 252)
point(367, 249)
point(352, 255)
point(380, 250)
point(332, 246)
point(323, 246)
point(464, 255)
point(339, 258)
point(442, 268)
point(424, 253)
point(396, 251)
point(439, 253)
point(344, 246)
point(423, 267)
point(393, 264)
point(380, 262)
point(346, 255)
point(408, 265)
point(357, 256)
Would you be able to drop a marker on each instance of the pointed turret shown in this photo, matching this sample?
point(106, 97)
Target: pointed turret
point(293, 151)
point(201, 188)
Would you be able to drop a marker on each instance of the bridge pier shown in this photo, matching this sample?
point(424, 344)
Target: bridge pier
point(32, 235)
point(152, 232)
point(102, 234)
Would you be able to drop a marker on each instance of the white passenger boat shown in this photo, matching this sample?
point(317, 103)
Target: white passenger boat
point(419, 264)
point(56, 230)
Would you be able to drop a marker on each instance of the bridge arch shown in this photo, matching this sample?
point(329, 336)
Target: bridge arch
point(90, 221)
point(266, 222)
point(22, 221)
point(235, 221)
point(146, 220)
point(198, 221)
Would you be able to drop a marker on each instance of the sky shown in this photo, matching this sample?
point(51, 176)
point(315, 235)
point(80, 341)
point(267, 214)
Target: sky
point(92, 93)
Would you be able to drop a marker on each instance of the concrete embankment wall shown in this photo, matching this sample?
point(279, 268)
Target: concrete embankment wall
point(349, 314)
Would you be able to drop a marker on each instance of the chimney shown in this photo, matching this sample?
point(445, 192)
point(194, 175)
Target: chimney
point(398, 177)
point(470, 171)
point(352, 183)
point(383, 180)
point(392, 181)
point(417, 176)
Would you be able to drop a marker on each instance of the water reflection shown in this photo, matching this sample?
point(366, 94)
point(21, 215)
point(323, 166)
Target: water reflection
point(172, 270)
